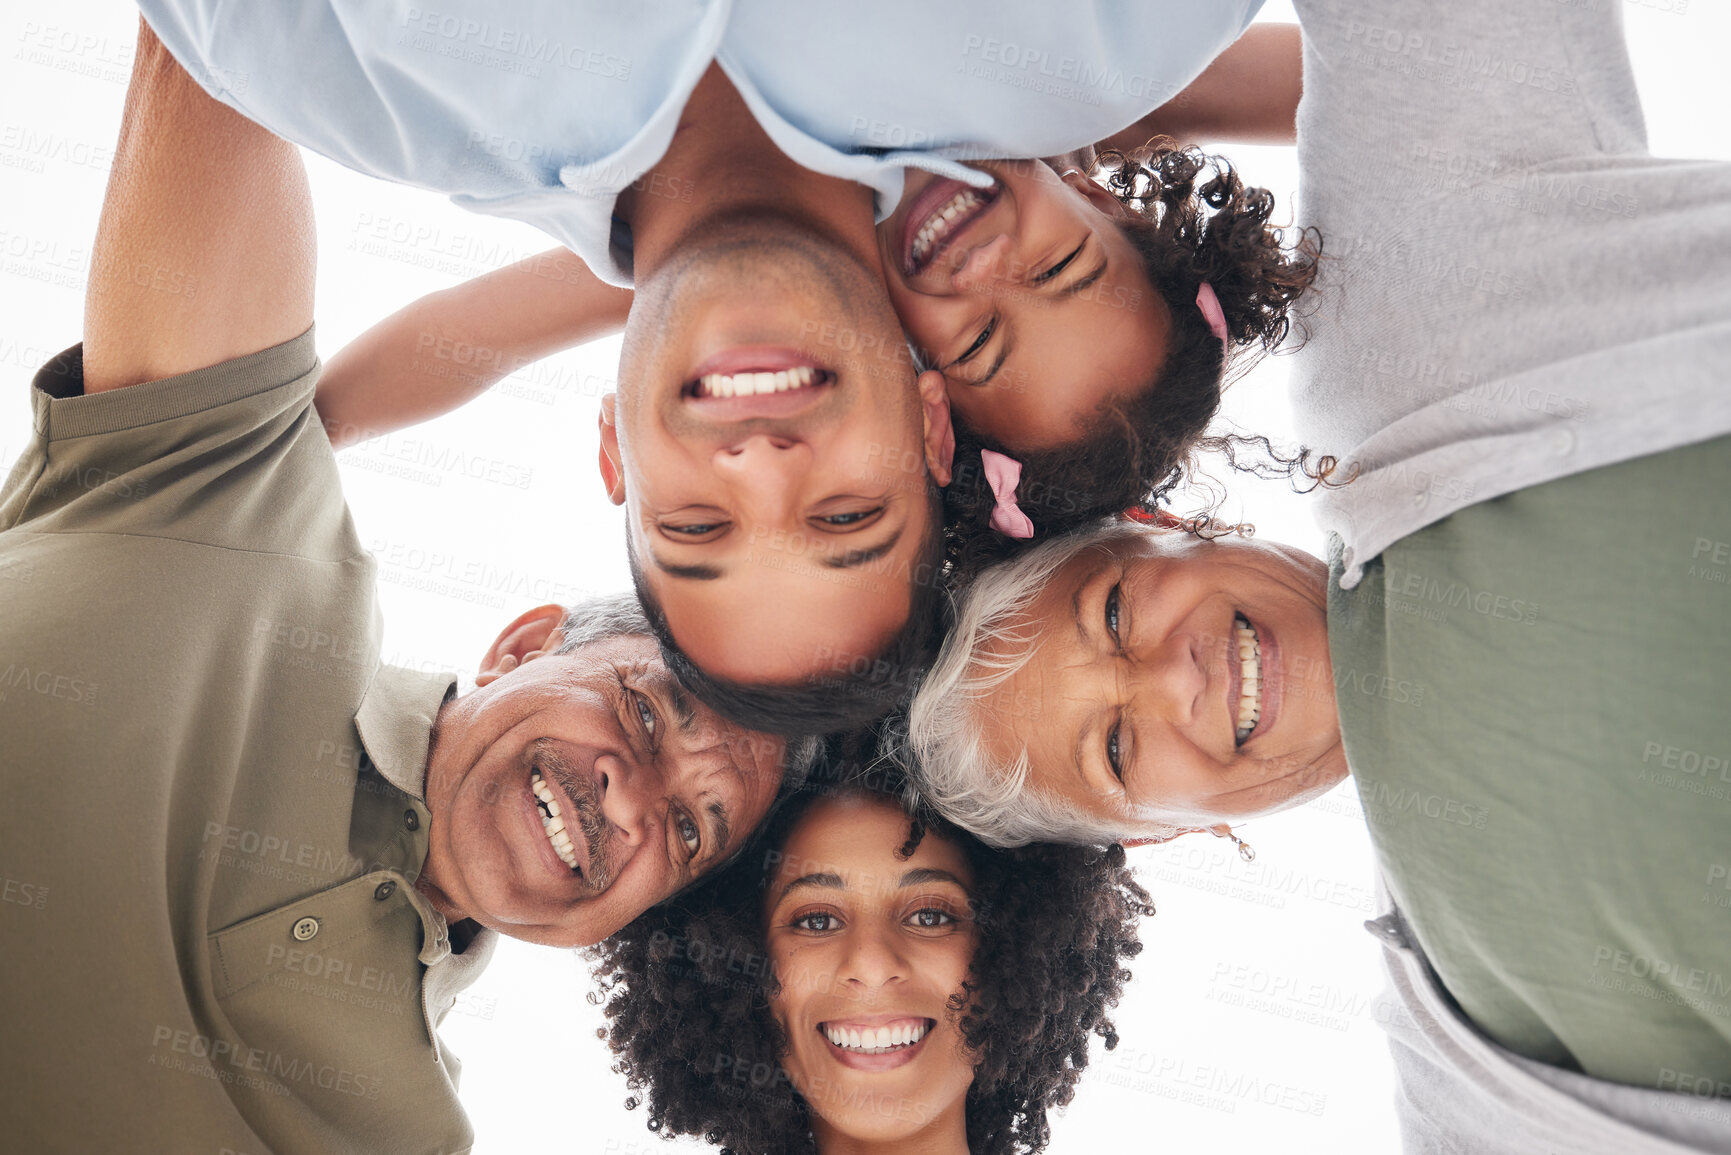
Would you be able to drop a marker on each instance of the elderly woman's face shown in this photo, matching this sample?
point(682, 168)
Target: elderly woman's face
point(868, 949)
point(1175, 682)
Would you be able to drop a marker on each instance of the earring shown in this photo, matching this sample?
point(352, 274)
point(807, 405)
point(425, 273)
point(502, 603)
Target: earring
point(1244, 849)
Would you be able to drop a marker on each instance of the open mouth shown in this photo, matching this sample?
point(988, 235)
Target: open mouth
point(881, 1040)
point(758, 383)
point(1248, 649)
point(553, 822)
point(942, 213)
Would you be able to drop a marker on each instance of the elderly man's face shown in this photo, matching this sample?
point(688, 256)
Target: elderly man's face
point(651, 788)
point(772, 443)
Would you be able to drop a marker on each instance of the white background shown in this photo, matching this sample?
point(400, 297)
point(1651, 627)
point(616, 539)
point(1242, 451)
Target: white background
point(1249, 1026)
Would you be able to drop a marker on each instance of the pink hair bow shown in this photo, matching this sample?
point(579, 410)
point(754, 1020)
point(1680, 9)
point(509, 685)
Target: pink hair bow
point(1213, 314)
point(1004, 474)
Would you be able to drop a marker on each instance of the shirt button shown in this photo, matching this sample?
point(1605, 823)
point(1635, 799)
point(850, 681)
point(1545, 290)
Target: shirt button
point(1388, 930)
point(305, 929)
point(1562, 441)
point(411, 820)
point(1421, 498)
point(384, 890)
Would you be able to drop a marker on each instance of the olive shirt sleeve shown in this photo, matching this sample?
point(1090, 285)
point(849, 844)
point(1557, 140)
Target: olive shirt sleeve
point(223, 947)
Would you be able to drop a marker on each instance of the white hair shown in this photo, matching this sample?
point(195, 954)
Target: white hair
point(944, 750)
point(621, 615)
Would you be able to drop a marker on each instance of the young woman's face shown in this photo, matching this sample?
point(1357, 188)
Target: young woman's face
point(1175, 681)
point(1027, 296)
point(868, 949)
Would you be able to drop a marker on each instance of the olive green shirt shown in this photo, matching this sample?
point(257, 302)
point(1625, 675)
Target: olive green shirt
point(213, 816)
point(1535, 698)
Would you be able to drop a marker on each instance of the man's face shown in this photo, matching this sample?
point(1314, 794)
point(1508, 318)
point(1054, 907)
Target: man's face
point(651, 787)
point(772, 444)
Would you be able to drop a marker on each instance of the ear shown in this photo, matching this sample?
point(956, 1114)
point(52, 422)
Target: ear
point(939, 434)
point(531, 635)
point(612, 470)
point(1095, 195)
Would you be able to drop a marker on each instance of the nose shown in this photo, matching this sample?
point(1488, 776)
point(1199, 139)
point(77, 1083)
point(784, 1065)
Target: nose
point(987, 266)
point(872, 961)
point(765, 472)
point(1171, 678)
point(628, 794)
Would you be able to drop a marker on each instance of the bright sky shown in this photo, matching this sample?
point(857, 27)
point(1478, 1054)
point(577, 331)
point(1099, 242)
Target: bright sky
point(1250, 1025)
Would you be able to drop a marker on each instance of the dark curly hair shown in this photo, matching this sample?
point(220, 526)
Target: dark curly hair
point(1192, 220)
point(686, 990)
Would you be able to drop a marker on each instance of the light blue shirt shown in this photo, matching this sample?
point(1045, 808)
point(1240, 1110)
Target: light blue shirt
point(545, 110)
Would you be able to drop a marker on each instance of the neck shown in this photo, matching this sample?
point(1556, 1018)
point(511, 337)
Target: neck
point(427, 882)
point(945, 1135)
point(720, 163)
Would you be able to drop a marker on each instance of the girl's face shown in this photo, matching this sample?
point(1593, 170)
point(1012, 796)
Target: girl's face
point(1027, 296)
point(868, 949)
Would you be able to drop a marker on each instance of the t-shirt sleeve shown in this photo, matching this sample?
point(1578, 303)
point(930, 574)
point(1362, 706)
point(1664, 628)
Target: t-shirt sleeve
point(1443, 89)
point(232, 455)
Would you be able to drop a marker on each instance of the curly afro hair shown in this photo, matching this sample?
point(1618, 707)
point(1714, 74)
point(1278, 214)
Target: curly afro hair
point(686, 990)
point(1192, 220)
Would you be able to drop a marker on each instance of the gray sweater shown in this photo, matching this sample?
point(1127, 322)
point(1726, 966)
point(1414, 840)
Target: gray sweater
point(1513, 289)
point(1461, 1094)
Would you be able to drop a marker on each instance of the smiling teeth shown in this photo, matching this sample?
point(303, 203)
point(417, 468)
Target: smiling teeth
point(1250, 671)
point(551, 822)
point(938, 224)
point(753, 384)
point(878, 1041)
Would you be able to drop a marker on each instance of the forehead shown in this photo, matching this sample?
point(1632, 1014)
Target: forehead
point(767, 625)
point(856, 837)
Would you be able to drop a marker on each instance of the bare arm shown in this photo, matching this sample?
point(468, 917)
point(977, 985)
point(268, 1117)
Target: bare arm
point(1249, 95)
point(448, 347)
point(205, 250)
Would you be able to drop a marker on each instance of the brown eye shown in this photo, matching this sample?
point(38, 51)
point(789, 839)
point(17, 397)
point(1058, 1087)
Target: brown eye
point(818, 921)
point(689, 834)
point(697, 529)
point(980, 341)
point(843, 519)
point(1060, 266)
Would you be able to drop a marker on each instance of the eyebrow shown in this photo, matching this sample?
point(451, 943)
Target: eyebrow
point(858, 557)
point(919, 876)
point(1088, 726)
point(1083, 733)
point(1076, 606)
point(829, 880)
point(702, 573)
point(723, 831)
point(681, 702)
point(1004, 350)
point(1087, 281)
